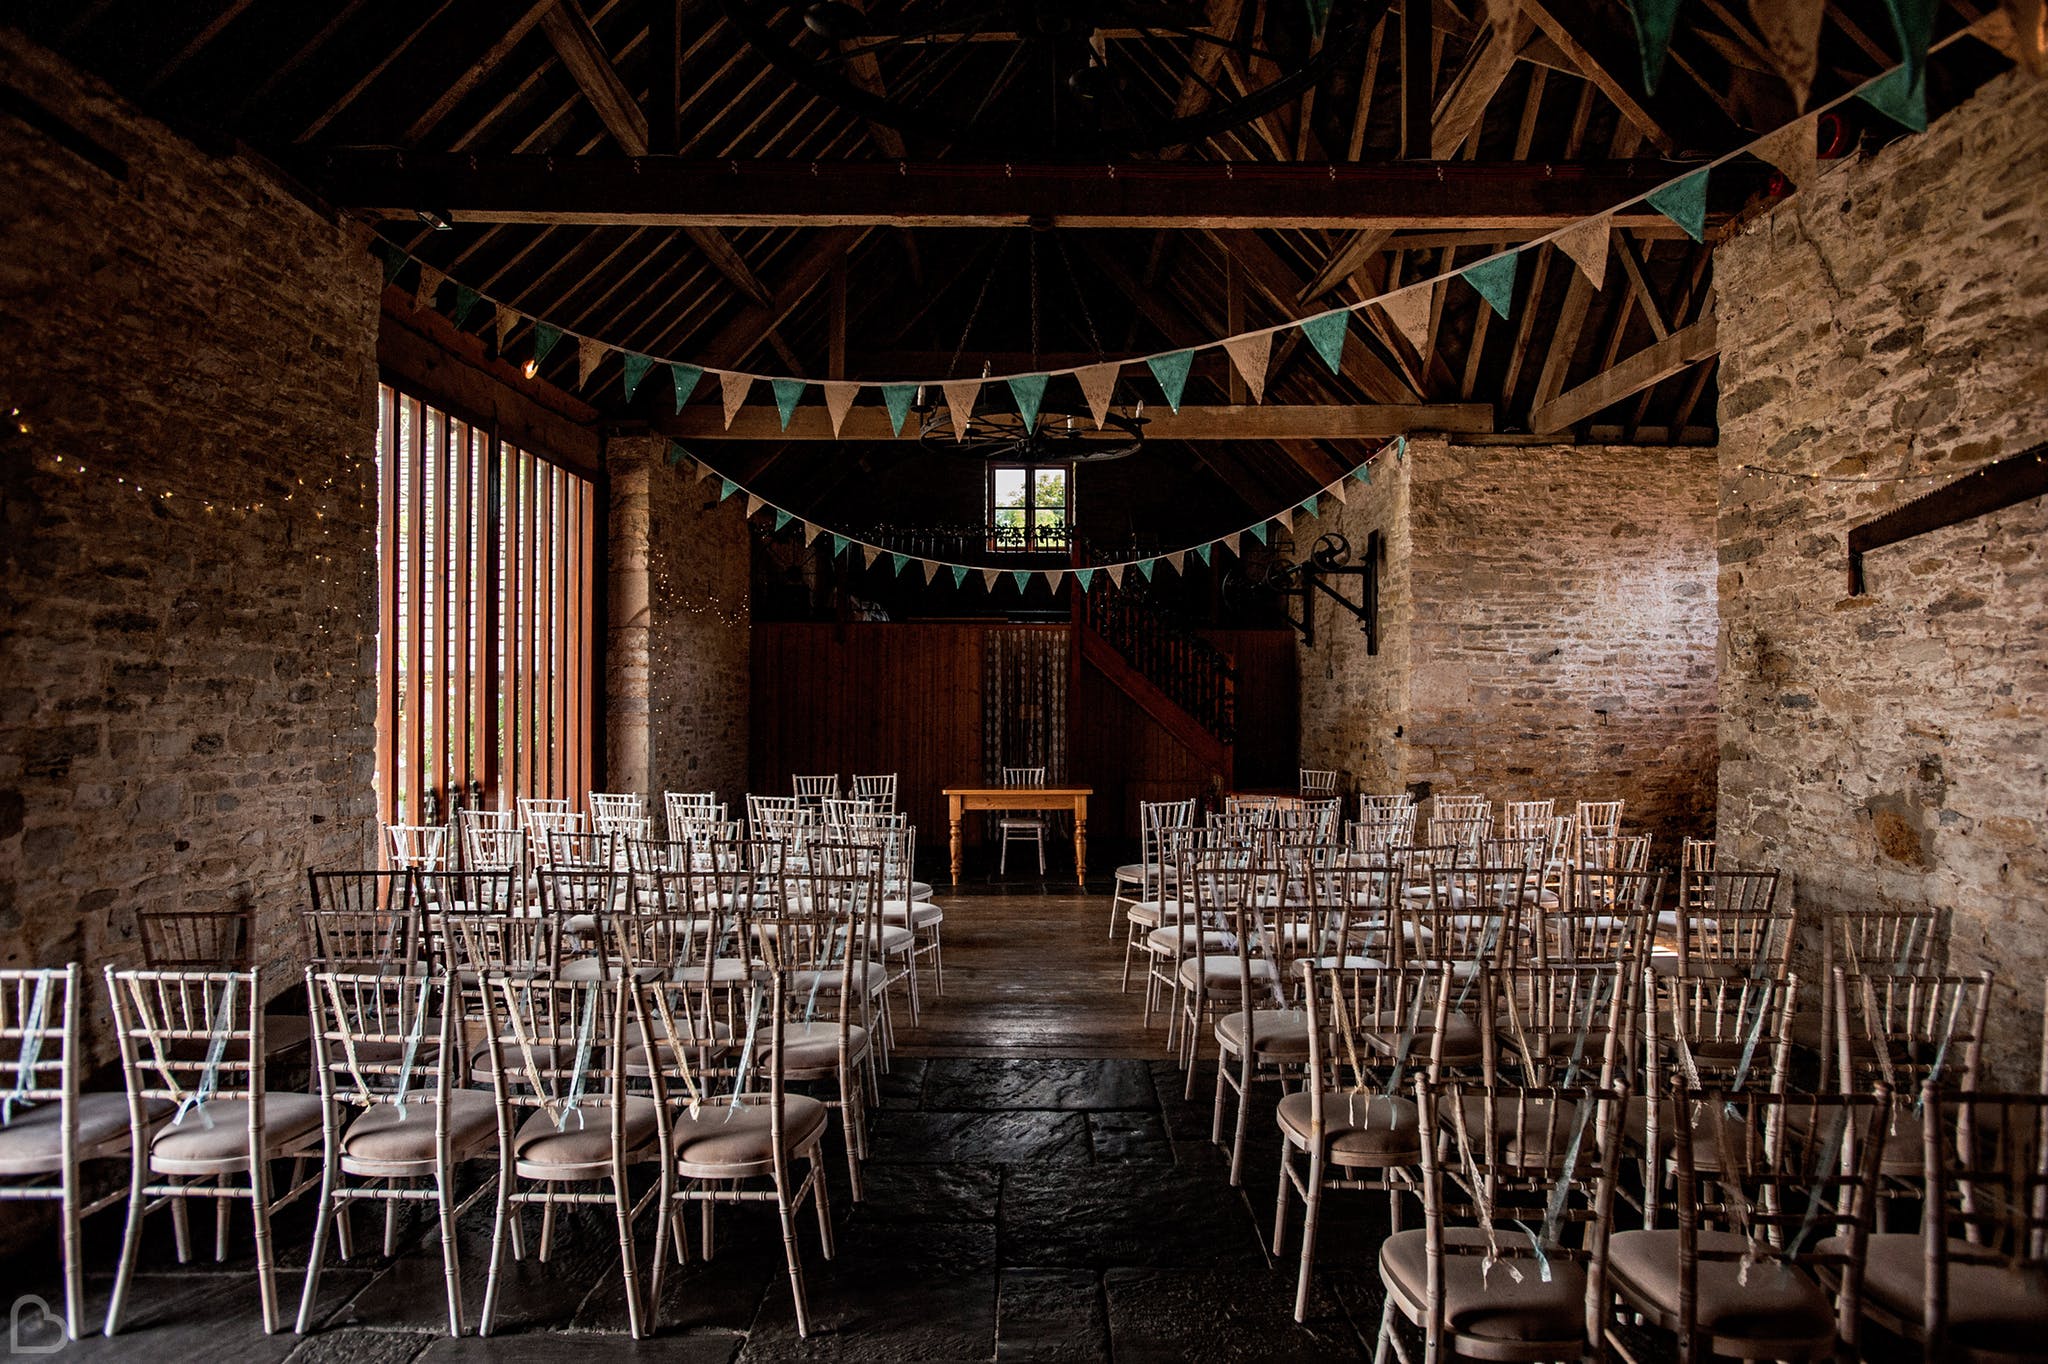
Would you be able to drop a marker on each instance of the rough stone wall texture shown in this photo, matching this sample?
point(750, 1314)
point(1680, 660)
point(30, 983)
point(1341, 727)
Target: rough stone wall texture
point(679, 658)
point(1354, 702)
point(1548, 631)
point(187, 537)
point(1563, 638)
point(1892, 749)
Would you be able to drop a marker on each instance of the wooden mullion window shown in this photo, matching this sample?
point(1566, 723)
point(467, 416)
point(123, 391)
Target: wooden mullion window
point(387, 605)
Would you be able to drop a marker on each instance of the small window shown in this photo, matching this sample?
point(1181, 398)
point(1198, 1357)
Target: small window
point(1030, 506)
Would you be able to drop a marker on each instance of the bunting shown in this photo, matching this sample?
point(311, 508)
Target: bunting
point(1900, 100)
point(989, 578)
point(1116, 575)
point(466, 300)
point(1052, 578)
point(1084, 576)
point(1586, 244)
point(589, 355)
point(931, 570)
point(1145, 567)
point(1794, 149)
point(1251, 354)
point(1202, 552)
point(733, 389)
point(898, 398)
point(1326, 333)
point(787, 393)
point(1684, 202)
point(959, 575)
point(1654, 21)
point(960, 396)
point(1027, 391)
point(394, 257)
point(429, 285)
point(1494, 278)
point(635, 367)
point(839, 544)
point(726, 488)
point(684, 378)
point(1022, 577)
point(838, 402)
point(544, 339)
point(898, 561)
point(782, 518)
point(1791, 33)
point(1171, 370)
point(1409, 313)
point(1098, 386)
point(1913, 22)
point(754, 503)
point(505, 321)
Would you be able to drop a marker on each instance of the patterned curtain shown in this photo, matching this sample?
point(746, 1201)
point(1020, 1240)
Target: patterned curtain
point(1024, 703)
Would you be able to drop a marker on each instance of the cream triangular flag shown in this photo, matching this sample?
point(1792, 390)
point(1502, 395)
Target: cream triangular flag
point(1791, 31)
point(839, 398)
point(703, 471)
point(429, 285)
point(990, 577)
point(1336, 490)
point(1409, 312)
point(931, 567)
point(733, 388)
point(506, 320)
point(1229, 542)
point(812, 532)
point(1052, 578)
point(1250, 354)
point(755, 502)
point(589, 354)
point(870, 553)
point(1173, 559)
point(1098, 386)
point(1116, 573)
point(960, 396)
point(1793, 149)
point(1586, 244)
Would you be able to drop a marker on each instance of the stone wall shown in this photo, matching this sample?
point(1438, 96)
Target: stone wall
point(678, 663)
point(187, 536)
point(1549, 628)
point(1892, 748)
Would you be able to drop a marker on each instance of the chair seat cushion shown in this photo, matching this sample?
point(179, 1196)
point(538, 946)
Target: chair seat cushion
point(723, 1135)
point(1169, 940)
point(916, 913)
point(591, 968)
point(1462, 1040)
point(286, 1119)
point(1222, 975)
point(1991, 1307)
point(920, 890)
point(1276, 1032)
point(815, 1045)
point(1777, 1303)
point(1489, 1306)
point(585, 1138)
point(1036, 826)
point(897, 939)
point(873, 972)
point(379, 1135)
point(1360, 1129)
point(33, 1143)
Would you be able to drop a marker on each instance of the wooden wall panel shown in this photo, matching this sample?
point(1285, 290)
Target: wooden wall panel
point(1268, 706)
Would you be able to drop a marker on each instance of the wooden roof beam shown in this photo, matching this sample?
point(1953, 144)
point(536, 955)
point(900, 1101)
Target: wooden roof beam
point(1271, 422)
point(1542, 12)
point(1646, 368)
point(1461, 196)
point(738, 338)
point(1271, 276)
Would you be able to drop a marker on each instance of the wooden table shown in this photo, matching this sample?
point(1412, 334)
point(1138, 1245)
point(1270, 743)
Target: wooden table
point(961, 799)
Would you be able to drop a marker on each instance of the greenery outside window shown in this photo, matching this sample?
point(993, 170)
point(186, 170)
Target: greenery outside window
point(1030, 506)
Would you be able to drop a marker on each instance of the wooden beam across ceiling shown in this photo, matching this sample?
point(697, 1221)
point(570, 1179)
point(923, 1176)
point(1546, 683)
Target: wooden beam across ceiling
point(1273, 422)
point(654, 191)
point(1646, 368)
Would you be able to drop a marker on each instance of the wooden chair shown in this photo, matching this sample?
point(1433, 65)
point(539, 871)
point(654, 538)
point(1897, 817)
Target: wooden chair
point(681, 807)
point(1373, 807)
point(363, 921)
point(1604, 916)
point(1907, 1032)
point(1318, 783)
point(878, 788)
point(1517, 1202)
point(813, 791)
point(416, 847)
point(492, 840)
point(1760, 1235)
point(1893, 941)
point(1145, 880)
point(1972, 1283)
point(1728, 921)
point(564, 1114)
point(1596, 819)
point(1351, 1126)
point(1448, 806)
point(193, 1041)
point(395, 1115)
point(1275, 917)
point(1527, 818)
point(1013, 827)
point(616, 811)
point(49, 1129)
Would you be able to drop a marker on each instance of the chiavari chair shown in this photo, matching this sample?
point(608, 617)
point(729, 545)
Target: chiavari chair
point(1184, 931)
point(1889, 941)
point(617, 811)
point(925, 920)
point(1598, 819)
point(1275, 916)
point(416, 847)
point(1143, 888)
point(813, 791)
point(1906, 1032)
point(1318, 783)
point(193, 1041)
point(1527, 818)
point(1378, 807)
point(1728, 921)
point(1013, 827)
point(1603, 916)
point(679, 807)
point(492, 840)
point(879, 789)
point(364, 921)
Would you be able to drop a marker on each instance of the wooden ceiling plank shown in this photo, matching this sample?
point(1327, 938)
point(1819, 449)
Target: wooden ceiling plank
point(1345, 261)
point(1273, 277)
point(195, 45)
point(473, 73)
point(1459, 113)
point(583, 56)
point(750, 327)
point(1590, 67)
point(1564, 340)
point(1625, 251)
point(354, 92)
point(1368, 78)
point(278, 74)
point(1417, 79)
point(1651, 365)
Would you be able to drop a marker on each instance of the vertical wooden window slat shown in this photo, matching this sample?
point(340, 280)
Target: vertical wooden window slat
point(484, 558)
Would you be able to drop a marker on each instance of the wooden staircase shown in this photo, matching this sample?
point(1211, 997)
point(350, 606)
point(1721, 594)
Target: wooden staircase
point(1185, 683)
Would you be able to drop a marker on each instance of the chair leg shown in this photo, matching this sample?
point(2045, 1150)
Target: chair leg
point(451, 1254)
point(131, 1241)
point(547, 1224)
point(223, 1212)
point(821, 1198)
point(181, 1228)
point(1216, 1116)
point(323, 1220)
point(499, 1225)
point(853, 1121)
point(1003, 857)
point(390, 1227)
point(629, 1264)
point(1280, 1200)
point(938, 962)
point(74, 1271)
point(796, 1267)
point(1313, 1198)
point(266, 1276)
point(1244, 1121)
point(1386, 1341)
point(1040, 841)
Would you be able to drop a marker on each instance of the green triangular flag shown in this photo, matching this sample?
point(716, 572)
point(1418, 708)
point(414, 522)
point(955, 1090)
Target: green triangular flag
point(1309, 506)
point(1913, 21)
point(1022, 577)
point(839, 544)
point(1365, 472)
point(1172, 373)
point(635, 367)
point(1319, 15)
point(1084, 576)
point(1145, 567)
point(898, 398)
point(1325, 332)
point(899, 560)
point(787, 391)
point(1655, 20)
point(726, 488)
point(676, 453)
point(466, 300)
point(1259, 532)
point(1494, 278)
point(1202, 552)
point(544, 339)
point(395, 259)
point(1028, 390)
point(959, 574)
point(1903, 103)
point(1684, 202)
point(782, 518)
point(1401, 448)
point(685, 378)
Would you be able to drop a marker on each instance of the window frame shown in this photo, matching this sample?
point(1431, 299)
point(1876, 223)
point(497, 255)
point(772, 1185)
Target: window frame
point(1031, 507)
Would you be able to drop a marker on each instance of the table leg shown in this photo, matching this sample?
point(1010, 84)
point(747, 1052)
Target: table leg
point(955, 819)
point(1081, 844)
